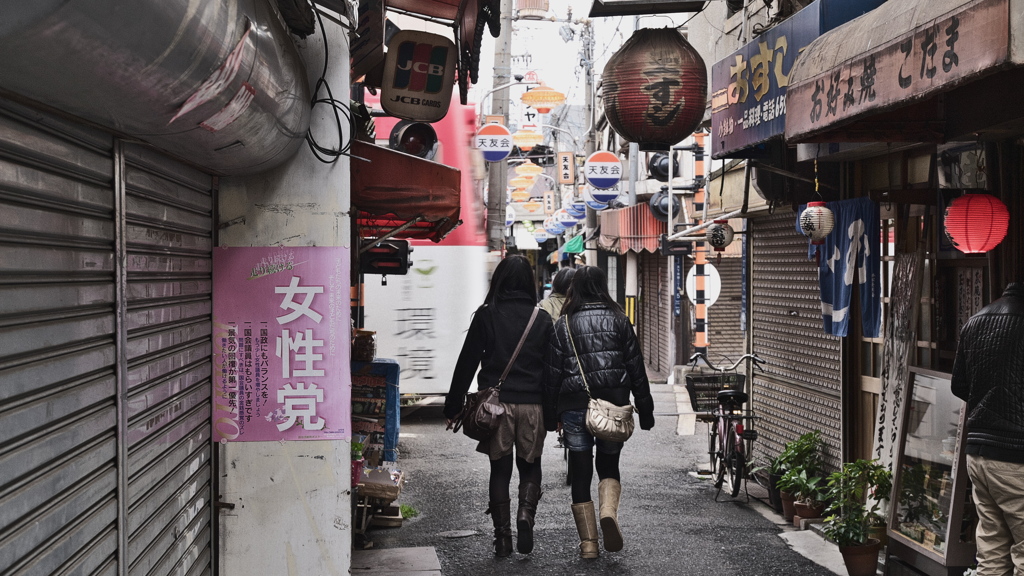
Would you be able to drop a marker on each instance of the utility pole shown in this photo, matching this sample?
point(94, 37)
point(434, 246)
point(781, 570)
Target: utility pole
point(497, 176)
point(591, 145)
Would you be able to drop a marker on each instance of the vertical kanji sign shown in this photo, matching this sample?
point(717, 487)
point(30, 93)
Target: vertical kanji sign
point(281, 344)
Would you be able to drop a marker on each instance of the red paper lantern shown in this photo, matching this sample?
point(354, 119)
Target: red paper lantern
point(976, 223)
point(655, 89)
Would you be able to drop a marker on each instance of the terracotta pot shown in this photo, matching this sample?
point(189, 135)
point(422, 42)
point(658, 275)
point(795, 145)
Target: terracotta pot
point(861, 560)
point(807, 511)
point(788, 510)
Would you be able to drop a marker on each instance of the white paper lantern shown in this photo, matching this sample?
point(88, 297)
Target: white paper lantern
point(720, 235)
point(510, 215)
point(816, 221)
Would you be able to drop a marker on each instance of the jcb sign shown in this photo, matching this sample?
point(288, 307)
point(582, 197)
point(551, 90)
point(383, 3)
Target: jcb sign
point(419, 73)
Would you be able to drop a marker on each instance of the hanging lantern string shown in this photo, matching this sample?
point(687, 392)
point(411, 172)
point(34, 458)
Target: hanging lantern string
point(817, 185)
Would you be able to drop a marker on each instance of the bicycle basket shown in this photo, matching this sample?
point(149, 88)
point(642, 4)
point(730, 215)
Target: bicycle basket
point(704, 388)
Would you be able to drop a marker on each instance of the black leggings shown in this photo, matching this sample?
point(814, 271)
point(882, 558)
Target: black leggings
point(583, 472)
point(501, 476)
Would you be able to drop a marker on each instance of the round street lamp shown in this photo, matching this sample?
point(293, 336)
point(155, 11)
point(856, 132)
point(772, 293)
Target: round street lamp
point(543, 98)
point(525, 140)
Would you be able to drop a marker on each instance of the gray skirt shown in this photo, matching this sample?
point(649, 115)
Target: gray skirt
point(522, 427)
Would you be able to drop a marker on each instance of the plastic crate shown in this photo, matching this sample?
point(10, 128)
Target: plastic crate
point(703, 388)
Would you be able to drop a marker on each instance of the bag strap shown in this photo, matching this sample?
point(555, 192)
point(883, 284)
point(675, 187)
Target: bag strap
point(577, 355)
point(519, 347)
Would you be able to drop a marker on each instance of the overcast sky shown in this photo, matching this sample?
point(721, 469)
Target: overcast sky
point(537, 46)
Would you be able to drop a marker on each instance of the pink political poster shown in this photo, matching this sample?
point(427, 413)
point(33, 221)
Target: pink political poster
point(281, 344)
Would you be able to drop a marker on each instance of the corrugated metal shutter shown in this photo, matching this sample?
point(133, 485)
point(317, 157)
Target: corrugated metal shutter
point(800, 388)
point(725, 337)
point(93, 476)
point(653, 306)
point(168, 326)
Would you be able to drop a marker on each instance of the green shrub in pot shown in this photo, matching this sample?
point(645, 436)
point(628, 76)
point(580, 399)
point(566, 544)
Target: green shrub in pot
point(848, 515)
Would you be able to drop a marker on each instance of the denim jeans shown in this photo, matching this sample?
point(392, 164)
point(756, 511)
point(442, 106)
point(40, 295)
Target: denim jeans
point(579, 439)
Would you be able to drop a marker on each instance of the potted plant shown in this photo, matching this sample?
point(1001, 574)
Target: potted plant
point(357, 462)
point(773, 471)
point(804, 453)
point(850, 515)
point(808, 492)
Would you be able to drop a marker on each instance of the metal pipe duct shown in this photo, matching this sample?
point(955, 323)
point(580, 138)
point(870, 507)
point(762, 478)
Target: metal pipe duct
point(215, 82)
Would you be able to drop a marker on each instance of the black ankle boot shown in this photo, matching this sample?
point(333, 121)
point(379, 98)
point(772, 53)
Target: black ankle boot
point(501, 515)
point(529, 495)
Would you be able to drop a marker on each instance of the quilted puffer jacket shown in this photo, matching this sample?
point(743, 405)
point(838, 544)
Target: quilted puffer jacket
point(612, 362)
point(988, 373)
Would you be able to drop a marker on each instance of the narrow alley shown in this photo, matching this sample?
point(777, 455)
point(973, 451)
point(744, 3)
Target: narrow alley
point(670, 520)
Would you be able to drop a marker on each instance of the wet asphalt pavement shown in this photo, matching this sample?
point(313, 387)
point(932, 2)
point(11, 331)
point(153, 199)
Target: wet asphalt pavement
point(670, 521)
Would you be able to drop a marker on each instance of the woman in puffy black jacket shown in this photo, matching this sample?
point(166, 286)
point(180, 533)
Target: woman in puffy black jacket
point(494, 333)
point(607, 350)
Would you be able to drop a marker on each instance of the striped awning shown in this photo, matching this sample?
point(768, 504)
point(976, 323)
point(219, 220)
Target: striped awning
point(633, 228)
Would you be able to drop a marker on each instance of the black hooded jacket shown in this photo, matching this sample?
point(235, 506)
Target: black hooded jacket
point(612, 363)
point(492, 338)
point(988, 373)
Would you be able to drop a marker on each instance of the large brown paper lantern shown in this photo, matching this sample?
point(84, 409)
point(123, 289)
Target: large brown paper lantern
point(655, 89)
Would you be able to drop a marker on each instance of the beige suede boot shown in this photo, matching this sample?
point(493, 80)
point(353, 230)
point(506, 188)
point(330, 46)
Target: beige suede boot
point(586, 525)
point(608, 492)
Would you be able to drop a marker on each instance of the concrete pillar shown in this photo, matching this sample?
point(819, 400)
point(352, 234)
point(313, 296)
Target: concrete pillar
point(292, 500)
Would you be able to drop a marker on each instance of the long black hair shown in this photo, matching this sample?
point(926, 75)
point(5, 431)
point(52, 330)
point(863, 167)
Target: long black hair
point(589, 284)
point(512, 277)
point(560, 283)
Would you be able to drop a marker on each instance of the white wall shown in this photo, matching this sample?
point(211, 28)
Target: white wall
point(292, 500)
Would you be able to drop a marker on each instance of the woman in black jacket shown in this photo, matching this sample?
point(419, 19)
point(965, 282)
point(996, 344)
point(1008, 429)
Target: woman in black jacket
point(493, 335)
point(605, 347)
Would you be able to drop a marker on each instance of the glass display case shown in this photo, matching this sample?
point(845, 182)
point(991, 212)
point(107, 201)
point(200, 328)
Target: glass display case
point(932, 517)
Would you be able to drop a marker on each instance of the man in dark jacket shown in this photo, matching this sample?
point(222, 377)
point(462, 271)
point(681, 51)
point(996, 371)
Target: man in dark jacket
point(988, 373)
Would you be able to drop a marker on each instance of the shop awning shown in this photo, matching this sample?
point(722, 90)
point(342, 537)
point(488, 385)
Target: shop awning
point(398, 195)
point(633, 228)
point(877, 77)
point(574, 245)
point(605, 8)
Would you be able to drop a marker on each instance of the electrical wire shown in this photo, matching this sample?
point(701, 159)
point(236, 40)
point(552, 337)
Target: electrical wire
point(323, 153)
point(698, 13)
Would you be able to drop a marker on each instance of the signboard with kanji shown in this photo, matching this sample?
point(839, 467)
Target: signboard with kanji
point(933, 56)
point(566, 167)
point(494, 141)
point(748, 89)
point(281, 344)
point(602, 169)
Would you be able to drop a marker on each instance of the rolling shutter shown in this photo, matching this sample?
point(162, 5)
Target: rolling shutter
point(105, 370)
point(725, 334)
point(653, 308)
point(800, 389)
point(168, 332)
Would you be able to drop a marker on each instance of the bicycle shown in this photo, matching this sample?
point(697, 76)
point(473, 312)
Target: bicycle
point(718, 399)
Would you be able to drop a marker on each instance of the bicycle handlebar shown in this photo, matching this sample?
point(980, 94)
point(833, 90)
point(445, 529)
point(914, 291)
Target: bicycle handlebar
point(754, 357)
